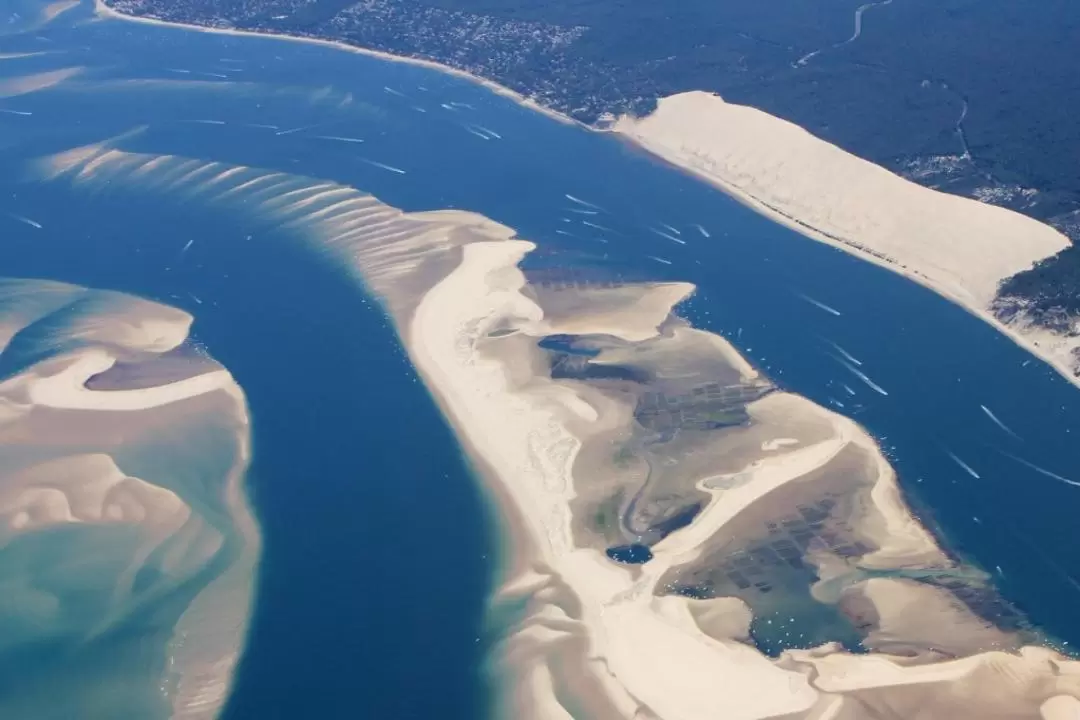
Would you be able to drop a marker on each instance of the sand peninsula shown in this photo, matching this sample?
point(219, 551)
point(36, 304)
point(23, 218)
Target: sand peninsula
point(127, 544)
point(682, 538)
point(958, 247)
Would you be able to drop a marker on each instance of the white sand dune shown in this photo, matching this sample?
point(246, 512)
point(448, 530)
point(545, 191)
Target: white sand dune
point(961, 248)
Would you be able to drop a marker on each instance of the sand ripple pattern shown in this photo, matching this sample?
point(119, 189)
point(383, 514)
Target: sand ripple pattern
point(771, 486)
point(123, 456)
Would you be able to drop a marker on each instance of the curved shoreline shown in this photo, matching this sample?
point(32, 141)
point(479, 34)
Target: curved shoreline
point(599, 639)
point(807, 227)
point(78, 460)
point(1071, 374)
point(102, 10)
point(596, 639)
point(1027, 341)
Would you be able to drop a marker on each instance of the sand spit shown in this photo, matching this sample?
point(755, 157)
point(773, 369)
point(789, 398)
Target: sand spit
point(958, 247)
point(121, 510)
point(27, 84)
point(647, 655)
point(760, 522)
point(400, 252)
point(28, 16)
point(629, 312)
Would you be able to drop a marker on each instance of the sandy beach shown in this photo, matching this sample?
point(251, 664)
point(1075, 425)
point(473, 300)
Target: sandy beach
point(525, 438)
point(960, 248)
point(580, 634)
point(680, 449)
point(654, 658)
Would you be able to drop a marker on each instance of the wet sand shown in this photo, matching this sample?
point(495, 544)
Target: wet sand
point(958, 247)
point(648, 654)
point(652, 416)
point(125, 535)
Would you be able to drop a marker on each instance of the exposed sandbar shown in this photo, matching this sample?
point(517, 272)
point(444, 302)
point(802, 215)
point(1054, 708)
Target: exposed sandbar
point(26, 84)
point(127, 544)
point(670, 656)
point(598, 438)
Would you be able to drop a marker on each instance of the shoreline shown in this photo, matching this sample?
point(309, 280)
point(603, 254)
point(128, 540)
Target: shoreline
point(86, 461)
point(571, 631)
point(1026, 341)
point(103, 10)
point(219, 617)
point(644, 651)
point(570, 594)
point(805, 228)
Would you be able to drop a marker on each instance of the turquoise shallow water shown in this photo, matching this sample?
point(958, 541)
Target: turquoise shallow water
point(376, 546)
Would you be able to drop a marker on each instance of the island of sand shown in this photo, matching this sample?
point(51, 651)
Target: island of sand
point(682, 539)
point(127, 550)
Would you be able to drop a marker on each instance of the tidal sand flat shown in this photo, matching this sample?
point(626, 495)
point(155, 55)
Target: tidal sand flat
point(648, 476)
point(673, 553)
point(683, 538)
point(127, 551)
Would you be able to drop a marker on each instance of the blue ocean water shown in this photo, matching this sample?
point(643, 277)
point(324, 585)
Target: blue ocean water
point(376, 541)
point(358, 485)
